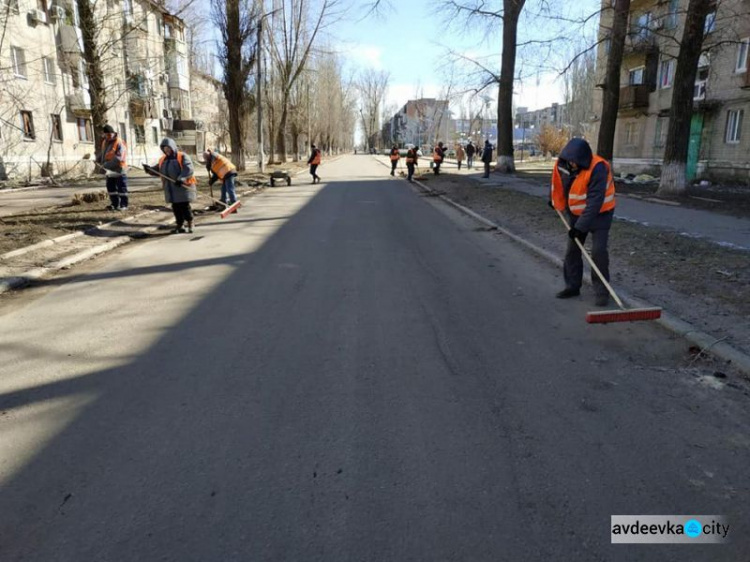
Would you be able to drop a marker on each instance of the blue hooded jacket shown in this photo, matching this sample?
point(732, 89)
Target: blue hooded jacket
point(171, 168)
point(579, 152)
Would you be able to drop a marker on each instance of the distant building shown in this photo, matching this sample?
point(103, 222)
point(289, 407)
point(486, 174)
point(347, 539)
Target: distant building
point(210, 113)
point(425, 121)
point(554, 115)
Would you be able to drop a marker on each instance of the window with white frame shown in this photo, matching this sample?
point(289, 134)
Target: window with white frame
point(85, 130)
point(666, 73)
point(48, 67)
point(734, 126)
point(670, 22)
point(660, 136)
point(635, 76)
point(632, 133)
point(18, 57)
point(710, 24)
point(741, 65)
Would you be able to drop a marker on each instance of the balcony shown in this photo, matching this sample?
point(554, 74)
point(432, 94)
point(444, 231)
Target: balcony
point(70, 40)
point(634, 97)
point(639, 43)
point(79, 102)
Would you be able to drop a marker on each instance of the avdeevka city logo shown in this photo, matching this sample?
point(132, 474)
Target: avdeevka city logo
point(693, 528)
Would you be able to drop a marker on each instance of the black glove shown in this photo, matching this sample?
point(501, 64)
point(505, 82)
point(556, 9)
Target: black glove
point(178, 182)
point(574, 233)
point(148, 169)
point(213, 180)
point(551, 206)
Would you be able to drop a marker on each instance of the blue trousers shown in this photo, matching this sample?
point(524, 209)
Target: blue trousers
point(228, 194)
point(118, 192)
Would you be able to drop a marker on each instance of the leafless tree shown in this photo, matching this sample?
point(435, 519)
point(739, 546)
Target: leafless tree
point(372, 86)
point(237, 22)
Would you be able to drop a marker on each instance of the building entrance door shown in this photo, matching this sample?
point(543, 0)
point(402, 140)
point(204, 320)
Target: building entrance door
point(694, 146)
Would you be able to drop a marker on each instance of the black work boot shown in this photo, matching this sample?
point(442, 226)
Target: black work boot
point(567, 293)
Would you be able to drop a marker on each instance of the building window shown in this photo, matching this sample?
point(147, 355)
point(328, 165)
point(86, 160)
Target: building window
point(123, 132)
point(670, 22)
point(635, 76)
point(19, 62)
point(48, 66)
point(155, 134)
point(85, 130)
point(710, 23)
point(666, 73)
point(12, 5)
point(632, 134)
point(734, 126)
point(27, 124)
point(642, 27)
point(140, 134)
point(661, 132)
point(56, 125)
point(701, 81)
point(742, 48)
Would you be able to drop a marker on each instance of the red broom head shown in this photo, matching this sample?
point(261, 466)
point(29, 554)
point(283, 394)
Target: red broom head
point(632, 315)
point(231, 209)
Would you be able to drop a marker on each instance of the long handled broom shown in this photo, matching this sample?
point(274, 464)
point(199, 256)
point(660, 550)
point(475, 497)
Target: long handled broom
point(227, 208)
point(606, 316)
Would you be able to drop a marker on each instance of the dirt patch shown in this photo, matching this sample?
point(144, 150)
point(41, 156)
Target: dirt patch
point(698, 281)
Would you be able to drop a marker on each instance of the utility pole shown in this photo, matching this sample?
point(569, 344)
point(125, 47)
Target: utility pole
point(259, 90)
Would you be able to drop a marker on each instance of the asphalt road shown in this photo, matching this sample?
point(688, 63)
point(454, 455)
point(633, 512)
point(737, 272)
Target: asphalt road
point(348, 371)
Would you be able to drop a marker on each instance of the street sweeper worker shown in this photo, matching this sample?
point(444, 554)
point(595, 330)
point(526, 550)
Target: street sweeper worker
point(411, 161)
point(181, 188)
point(314, 162)
point(584, 188)
point(438, 155)
point(113, 158)
point(221, 168)
point(395, 157)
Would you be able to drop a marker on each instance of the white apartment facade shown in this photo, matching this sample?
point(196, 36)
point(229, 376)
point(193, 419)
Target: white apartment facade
point(45, 104)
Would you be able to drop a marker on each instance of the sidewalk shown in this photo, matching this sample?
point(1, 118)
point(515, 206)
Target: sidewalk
point(721, 229)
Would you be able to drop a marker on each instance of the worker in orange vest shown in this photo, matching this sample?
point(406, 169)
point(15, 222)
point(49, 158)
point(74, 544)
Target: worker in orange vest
point(395, 157)
point(411, 161)
point(181, 187)
point(438, 155)
point(221, 168)
point(314, 162)
point(583, 187)
point(113, 158)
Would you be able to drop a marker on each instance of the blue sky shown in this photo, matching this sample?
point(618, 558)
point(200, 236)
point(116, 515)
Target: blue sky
point(412, 42)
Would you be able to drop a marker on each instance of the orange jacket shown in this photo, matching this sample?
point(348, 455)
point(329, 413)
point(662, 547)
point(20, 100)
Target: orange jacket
point(577, 196)
point(221, 165)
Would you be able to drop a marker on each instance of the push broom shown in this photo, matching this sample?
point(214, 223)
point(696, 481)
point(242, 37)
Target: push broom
point(227, 208)
point(606, 316)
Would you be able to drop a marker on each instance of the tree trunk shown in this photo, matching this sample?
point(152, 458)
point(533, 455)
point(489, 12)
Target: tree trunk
point(511, 12)
point(234, 87)
point(281, 134)
point(89, 29)
point(673, 179)
point(605, 145)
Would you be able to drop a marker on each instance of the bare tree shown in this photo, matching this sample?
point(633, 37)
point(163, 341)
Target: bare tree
point(673, 180)
point(293, 33)
point(372, 86)
point(579, 82)
point(237, 22)
point(611, 91)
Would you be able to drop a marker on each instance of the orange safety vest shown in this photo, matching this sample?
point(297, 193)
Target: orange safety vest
point(577, 196)
point(395, 156)
point(437, 154)
point(112, 152)
point(221, 166)
point(186, 181)
point(316, 158)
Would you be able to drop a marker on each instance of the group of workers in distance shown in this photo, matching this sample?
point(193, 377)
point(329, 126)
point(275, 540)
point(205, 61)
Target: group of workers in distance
point(175, 168)
point(438, 157)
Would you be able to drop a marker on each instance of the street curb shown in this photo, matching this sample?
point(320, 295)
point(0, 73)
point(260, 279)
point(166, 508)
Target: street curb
point(66, 237)
point(706, 342)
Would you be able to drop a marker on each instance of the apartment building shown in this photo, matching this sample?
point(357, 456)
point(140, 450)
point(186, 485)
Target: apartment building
point(45, 102)
point(210, 113)
point(420, 122)
point(554, 115)
point(719, 139)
